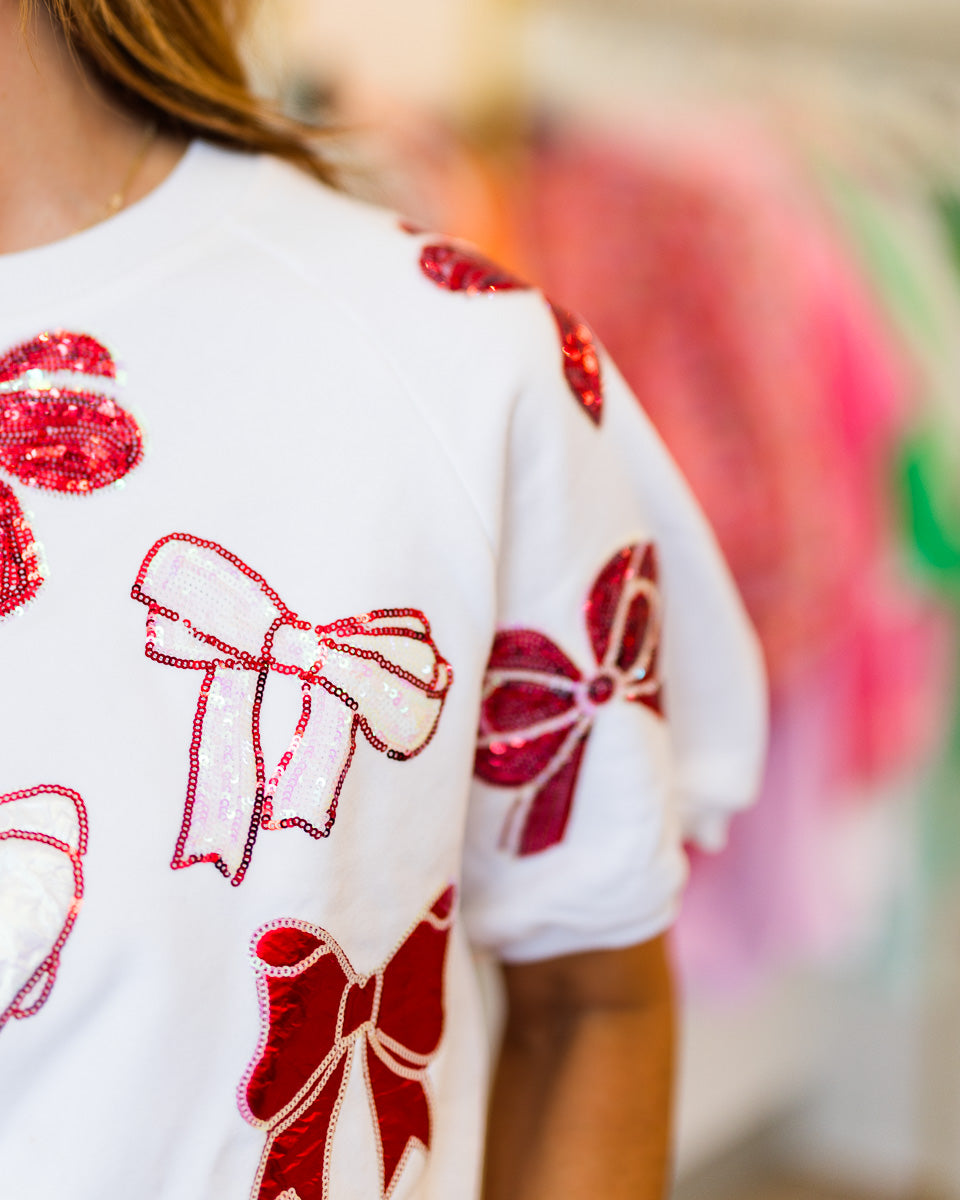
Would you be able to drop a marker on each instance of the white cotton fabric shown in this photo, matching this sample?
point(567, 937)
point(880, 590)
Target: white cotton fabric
point(363, 440)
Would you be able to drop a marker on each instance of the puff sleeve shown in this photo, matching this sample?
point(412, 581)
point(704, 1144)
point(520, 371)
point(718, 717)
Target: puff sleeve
point(624, 703)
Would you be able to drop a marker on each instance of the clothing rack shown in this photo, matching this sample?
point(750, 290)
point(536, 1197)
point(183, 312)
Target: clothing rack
point(924, 28)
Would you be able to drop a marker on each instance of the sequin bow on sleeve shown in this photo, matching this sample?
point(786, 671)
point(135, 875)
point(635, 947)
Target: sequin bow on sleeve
point(379, 672)
point(317, 1011)
point(538, 708)
point(61, 430)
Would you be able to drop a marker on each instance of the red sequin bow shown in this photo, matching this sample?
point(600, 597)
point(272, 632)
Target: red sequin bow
point(380, 673)
point(538, 708)
point(316, 1012)
point(43, 837)
point(60, 430)
point(461, 269)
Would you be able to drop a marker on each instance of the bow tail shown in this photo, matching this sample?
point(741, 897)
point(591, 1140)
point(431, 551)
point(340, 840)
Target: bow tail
point(225, 788)
point(33, 995)
point(545, 818)
point(306, 786)
point(402, 1113)
point(296, 1158)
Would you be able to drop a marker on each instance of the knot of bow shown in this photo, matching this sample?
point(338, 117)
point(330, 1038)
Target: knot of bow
point(379, 672)
point(61, 430)
point(316, 1011)
point(538, 707)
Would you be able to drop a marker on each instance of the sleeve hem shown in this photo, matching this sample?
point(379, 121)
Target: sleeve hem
point(559, 942)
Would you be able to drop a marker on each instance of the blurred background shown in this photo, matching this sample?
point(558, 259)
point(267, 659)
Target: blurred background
point(756, 203)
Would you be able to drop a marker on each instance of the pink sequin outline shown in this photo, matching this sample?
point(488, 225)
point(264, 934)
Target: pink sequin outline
point(343, 1050)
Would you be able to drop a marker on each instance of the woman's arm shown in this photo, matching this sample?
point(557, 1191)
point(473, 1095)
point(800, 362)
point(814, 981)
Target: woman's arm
point(582, 1099)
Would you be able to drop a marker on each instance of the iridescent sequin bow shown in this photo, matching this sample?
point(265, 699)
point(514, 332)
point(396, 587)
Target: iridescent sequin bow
point(43, 837)
point(316, 1012)
point(380, 673)
point(538, 708)
point(60, 430)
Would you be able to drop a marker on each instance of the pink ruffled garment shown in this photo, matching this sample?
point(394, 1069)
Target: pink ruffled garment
point(687, 263)
point(747, 334)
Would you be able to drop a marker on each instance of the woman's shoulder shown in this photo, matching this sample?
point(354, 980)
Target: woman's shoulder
point(370, 259)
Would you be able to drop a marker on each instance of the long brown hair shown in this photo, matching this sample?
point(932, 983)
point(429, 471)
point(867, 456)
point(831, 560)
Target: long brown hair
point(178, 62)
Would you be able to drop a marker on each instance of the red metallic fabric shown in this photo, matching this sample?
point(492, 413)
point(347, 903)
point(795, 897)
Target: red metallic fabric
point(317, 1011)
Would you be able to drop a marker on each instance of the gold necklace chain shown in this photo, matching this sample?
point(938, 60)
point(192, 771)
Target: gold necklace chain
point(119, 198)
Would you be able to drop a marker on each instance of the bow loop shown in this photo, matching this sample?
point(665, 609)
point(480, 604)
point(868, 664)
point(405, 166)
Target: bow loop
point(623, 614)
point(213, 602)
point(60, 425)
point(61, 429)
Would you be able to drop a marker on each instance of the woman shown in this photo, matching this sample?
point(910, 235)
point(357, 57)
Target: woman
point(352, 458)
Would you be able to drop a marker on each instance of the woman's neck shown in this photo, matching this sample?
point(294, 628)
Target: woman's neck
point(65, 148)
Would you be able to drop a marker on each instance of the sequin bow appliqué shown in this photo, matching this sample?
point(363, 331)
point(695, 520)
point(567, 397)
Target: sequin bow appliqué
point(317, 1012)
point(62, 430)
point(538, 708)
point(460, 269)
point(43, 837)
point(379, 672)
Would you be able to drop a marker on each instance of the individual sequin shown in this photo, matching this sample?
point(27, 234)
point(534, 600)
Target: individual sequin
point(62, 430)
point(538, 708)
point(43, 837)
point(460, 269)
point(316, 1013)
point(379, 673)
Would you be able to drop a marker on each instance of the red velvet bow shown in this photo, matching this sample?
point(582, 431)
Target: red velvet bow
point(316, 1012)
point(61, 430)
point(459, 269)
point(538, 708)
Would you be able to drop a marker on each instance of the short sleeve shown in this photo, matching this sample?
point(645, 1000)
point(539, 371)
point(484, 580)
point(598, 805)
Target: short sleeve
point(623, 700)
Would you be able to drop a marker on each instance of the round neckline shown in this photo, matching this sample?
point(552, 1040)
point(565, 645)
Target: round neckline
point(206, 182)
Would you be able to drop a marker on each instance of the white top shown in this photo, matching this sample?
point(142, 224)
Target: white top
point(321, 480)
